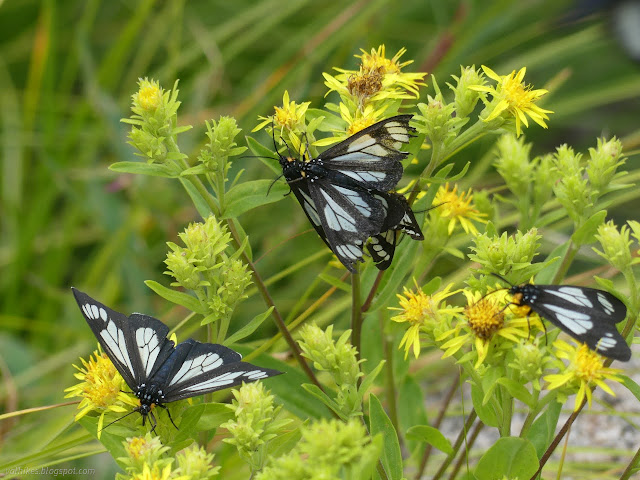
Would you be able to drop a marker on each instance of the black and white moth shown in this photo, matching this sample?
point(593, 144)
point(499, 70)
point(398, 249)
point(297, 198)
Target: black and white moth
point(343, 190)
point(156, 370)
point(587, 314)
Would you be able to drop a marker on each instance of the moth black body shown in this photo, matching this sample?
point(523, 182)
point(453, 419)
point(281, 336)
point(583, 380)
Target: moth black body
point(587, 314)
point(344, 191)
point(157, 371)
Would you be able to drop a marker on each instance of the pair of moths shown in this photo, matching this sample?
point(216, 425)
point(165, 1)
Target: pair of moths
point(345, 192)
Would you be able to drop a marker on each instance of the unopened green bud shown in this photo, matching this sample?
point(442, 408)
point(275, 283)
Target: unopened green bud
point(615, 245)
point(465, 99)
point(185, 268)
point(529, 362)
point(499, 254)
point(513, 163)
point(544, 177)
point(437, 120)
point(332, 441)
point(221, 144)
point(194, 463)
point(206, 241)
point(338, 358)
point(604, 161)
point(572, 190)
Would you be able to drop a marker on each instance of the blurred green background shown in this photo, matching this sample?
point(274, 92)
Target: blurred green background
point(68, 69)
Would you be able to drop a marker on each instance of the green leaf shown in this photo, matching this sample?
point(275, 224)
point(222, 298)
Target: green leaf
point(142, 168)
point(370, 377)
point(282, 444)
point(179, 298)
point(412, 411)
point(380, 423)
point(586, 233)
point(249, 195)
point(549, 272)
point(632, 386)
point(544, 427)
point(197, 170)
point(265, 155)
point(486, 412)
point(517, 390)
point(430, 435)
point(199, 202)
point(324, 398)
point(335, 282)
point(509, 457)
point(249, 328)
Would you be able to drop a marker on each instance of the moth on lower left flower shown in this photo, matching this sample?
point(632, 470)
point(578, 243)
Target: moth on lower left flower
point(154, 369)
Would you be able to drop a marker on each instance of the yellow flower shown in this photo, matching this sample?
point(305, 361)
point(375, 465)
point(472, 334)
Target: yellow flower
point(378, 78)
point(149, 95)
point(512, 96)
point(458, 207)
point(585, 368)
point(154, 473)
point(100, 388)
point(488, 324)
point(290, 115)
point(356, 122)
point(422, 312)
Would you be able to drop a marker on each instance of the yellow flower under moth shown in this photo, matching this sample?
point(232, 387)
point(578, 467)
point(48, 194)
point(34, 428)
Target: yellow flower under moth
point(486, 321)
point(585, 368)
point(419, 310)
point(458, 207)
point(511, 96)
point(100, 388)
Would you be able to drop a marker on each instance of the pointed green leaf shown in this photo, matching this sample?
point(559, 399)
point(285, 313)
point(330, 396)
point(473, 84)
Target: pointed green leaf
point(509, 457)
point(179, 298)
point(586, 233)
point(430, 435)
point(249, 328)
point(380, 423)
point(142, 168)
point(249, 195)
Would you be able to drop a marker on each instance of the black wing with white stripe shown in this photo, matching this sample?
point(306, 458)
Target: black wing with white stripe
point(400, 218)
point(587, 314)
point(372, 156)
point(342, 190)
point(156, 372)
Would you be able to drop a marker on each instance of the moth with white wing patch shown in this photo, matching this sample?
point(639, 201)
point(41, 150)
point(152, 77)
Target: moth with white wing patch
point(156, 370)
point(587, 314)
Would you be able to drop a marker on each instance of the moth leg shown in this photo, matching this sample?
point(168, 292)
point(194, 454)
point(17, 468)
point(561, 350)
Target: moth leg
point(152, 421)
point(168, 413)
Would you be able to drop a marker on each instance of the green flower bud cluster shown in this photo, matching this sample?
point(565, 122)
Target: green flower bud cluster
point(616, 245)
point(254, 425)
point(154, 122)
point(215, 156)
point(579, 187)
point(147, 458)
point(506, 253)
point(529, 362)
point(466, 99)
point(219, 280)
point(329, 449)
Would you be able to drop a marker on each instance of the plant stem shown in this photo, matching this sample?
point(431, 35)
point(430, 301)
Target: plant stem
point(372, 292)
point(472, 439)
point(456, 447)
point(507, 412)
point(633, 464)
point(275, 312)
point(443, 409)
point(566, 263)
point(391, 385)
point(554, 444)
point(356, 313)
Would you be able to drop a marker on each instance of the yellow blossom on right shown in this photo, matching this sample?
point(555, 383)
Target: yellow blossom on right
point(513, 97)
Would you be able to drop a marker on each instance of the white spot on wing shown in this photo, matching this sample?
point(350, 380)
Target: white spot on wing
point(337, 218)
point(114, 338)
point(607, 305)
point(573, 295)
point(362, 142)
point(363, 207)
point(576, 322)
point(196, 366)
point(148, 346)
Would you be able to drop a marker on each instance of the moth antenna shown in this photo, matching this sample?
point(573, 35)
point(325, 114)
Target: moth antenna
point(272, 183)
point(502, 278)
point(120, 418)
